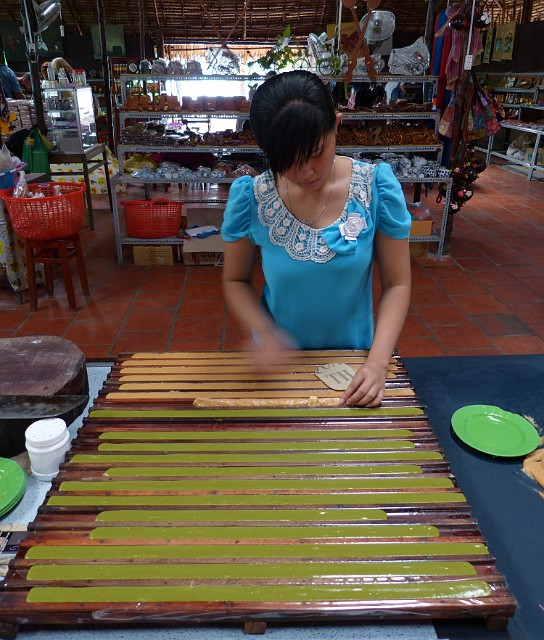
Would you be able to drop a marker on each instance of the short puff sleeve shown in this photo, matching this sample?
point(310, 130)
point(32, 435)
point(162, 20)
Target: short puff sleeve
point(237, 216)
point(393, 218)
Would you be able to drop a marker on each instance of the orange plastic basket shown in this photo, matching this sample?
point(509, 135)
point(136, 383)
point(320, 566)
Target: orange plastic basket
point(48, 218)
point(159, 218)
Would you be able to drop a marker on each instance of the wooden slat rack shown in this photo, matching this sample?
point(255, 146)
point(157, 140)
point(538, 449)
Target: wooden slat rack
point(166, 513)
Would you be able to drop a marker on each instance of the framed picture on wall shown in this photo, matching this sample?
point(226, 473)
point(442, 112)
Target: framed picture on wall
point(115, 41)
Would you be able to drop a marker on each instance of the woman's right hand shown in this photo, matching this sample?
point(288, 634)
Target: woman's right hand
point(272, 350)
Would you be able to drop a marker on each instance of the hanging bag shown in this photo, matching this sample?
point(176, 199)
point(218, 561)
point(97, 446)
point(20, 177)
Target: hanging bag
point(36, 153)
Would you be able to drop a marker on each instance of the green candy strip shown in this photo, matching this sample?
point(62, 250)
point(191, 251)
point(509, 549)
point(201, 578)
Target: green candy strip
point(261, 593)
point(352, 550)
point(338, 499)
point(331, 484)
point(264, 532)
point(240, 515)
point(174, 458)
point(135, 472)
point(255, 434)
point(256, 447)
point(301, 571)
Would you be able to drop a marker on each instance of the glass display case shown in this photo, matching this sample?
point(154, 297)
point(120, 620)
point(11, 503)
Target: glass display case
point(69, 116)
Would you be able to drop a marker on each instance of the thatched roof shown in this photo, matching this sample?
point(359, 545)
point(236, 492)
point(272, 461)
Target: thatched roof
point(252, 20)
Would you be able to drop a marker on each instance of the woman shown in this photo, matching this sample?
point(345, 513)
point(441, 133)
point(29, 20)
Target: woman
point(317, 218)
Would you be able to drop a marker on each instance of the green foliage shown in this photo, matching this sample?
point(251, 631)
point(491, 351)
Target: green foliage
point(281, 55)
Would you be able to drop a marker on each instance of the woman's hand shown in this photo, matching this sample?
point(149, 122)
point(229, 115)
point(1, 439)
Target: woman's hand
point(367, 386)
point(272, 350)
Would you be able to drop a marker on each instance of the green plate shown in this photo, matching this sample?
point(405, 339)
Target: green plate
point(12, 484)
point(495, 431)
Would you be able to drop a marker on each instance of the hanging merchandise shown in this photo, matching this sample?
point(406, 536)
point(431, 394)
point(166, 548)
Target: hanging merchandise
point(223, 61)
point(456, 24)
point(498, 44)
point(509, 35)
point(488, 45)
point(410, 61)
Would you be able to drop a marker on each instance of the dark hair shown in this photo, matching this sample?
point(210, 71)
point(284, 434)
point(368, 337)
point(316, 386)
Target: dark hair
point(290, 115)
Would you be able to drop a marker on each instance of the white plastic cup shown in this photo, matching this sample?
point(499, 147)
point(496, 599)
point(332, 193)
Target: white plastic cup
point(47, 441)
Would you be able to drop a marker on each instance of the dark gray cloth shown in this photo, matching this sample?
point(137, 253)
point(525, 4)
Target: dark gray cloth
point(506, 504)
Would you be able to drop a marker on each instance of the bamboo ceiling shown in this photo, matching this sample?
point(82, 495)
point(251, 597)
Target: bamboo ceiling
point(240, 20)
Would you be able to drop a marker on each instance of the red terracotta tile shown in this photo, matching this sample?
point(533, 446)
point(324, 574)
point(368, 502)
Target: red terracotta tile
point(202, 308)
point(512, 345)
point(435, 296)
point(475, 305)
point(516, 294)
point(236, 339)
point(419, 347)
point(132, 341)
point(461, 337)
point(148, 299)
point(39, 326)
point(530, 311)
point(474, 352)
point(204, 274)
point(93, 332)
point(106, 311)
point(535, 284)
point(203, 290)
point(473, 265)
point(495, 278)
point(149, 320)
point(443, 315)
point(502, 324)
point(538, 328)
point(97, 351)
point(11, 319)
point(166, 282)
point(414, 327)
point(195, 345)
point(466, 285)
point(197, 329)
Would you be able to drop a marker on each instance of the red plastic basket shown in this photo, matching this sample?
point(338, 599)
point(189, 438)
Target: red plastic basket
point(159, 218)
point(48, 218)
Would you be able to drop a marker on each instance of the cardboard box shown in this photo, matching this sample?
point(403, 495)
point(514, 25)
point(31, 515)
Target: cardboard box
point(153, 254)
point(209, 250)
point(420, 228)
point(200, 251)
point(202, 214)
point(529, 156)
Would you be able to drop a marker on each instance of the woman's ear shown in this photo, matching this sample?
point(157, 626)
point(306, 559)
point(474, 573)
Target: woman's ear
point(338, 119)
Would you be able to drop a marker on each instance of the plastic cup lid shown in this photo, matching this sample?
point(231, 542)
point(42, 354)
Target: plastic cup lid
point(46, 432)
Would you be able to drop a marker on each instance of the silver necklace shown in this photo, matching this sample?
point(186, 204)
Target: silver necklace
point(305, 221)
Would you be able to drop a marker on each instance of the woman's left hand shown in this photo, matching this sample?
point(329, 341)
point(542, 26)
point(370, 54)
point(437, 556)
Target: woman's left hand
point(367, 387)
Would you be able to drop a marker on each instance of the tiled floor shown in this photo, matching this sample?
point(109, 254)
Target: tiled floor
point(485, 297)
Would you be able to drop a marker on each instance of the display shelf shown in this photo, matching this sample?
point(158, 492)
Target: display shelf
point(76, 133)
point(522, 128)
point(158, 148)
point(126, 82)
point(121, 237)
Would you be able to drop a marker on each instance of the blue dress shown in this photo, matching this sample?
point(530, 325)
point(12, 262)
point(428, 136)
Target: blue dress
point(319, 283)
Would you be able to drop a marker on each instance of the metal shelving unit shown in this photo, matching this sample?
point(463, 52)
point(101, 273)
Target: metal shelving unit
point(127, 79)
point(521, 128)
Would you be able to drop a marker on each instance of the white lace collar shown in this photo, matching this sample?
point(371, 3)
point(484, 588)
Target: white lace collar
point(299, 240)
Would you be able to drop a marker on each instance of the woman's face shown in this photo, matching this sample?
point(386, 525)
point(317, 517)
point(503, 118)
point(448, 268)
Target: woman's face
point(314, 173)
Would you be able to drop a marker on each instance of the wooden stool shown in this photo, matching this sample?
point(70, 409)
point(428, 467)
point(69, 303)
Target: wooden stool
point(53, 253)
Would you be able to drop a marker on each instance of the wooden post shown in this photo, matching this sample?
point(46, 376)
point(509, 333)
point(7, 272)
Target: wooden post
point(30, 26)
point(105, 71)
point(527, 11)
point(141, 15)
